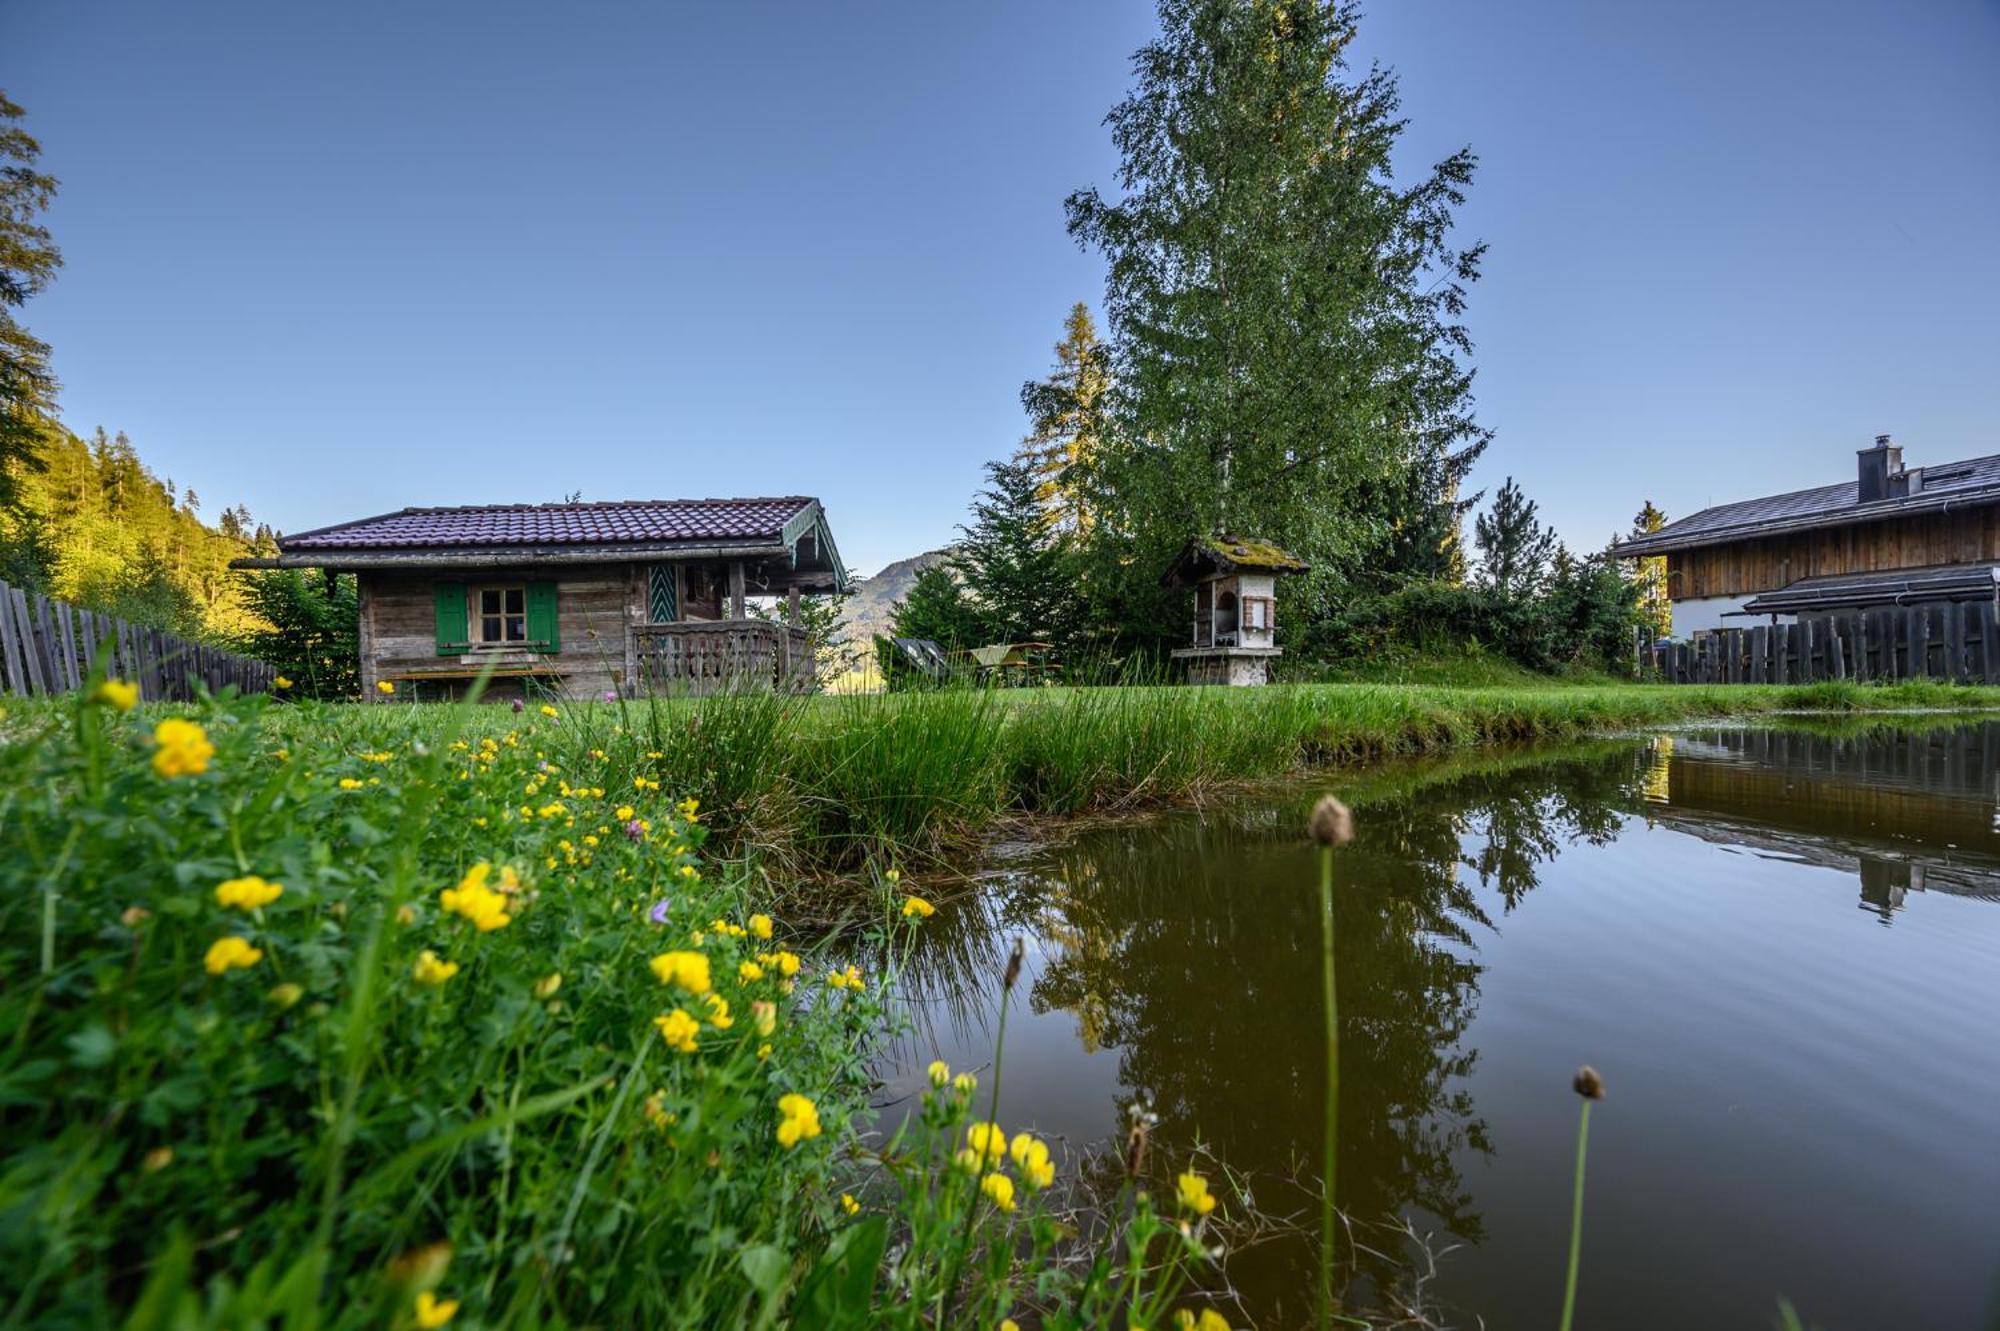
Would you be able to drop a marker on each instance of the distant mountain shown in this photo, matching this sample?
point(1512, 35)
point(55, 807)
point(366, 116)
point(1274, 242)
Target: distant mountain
point(869, 604)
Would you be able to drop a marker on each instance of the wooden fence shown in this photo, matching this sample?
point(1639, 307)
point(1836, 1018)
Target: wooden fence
point(1954, 640)
point(49, 647)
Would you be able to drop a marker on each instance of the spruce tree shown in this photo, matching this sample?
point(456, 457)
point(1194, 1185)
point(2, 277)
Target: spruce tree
point(935, 607)
point(1285, 314)
point(1066, 423)
point(1515, 549)
point(1012, 564)
point(28, 262)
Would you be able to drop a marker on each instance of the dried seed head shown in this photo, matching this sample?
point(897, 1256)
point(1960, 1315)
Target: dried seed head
point(1135, 1147)
point(1014, 963)
point(1588, 1084)
point(1331, 824)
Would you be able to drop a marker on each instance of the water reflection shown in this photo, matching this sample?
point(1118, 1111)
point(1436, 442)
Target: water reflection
point(1906, 810)
point(1183, 952)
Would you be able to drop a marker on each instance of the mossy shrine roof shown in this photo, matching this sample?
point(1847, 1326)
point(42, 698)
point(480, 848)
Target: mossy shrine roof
point(1218, 556)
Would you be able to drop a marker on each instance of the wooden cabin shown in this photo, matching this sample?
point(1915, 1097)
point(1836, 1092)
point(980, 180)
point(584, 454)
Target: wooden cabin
point(1235, 582)
point(582, 600)
point(1892, 536)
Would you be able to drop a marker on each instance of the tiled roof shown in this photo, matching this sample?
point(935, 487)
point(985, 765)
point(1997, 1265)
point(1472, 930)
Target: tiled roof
point(514, 526)
point(1976, 479)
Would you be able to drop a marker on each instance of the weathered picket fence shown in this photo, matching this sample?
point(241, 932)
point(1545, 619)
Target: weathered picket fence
point(1954, 640)
point(49, 647)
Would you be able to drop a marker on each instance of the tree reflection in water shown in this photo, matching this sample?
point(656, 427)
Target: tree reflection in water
point(1190, 945)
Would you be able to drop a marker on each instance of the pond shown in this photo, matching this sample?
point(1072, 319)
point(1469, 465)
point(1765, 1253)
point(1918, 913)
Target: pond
point(1781, 948)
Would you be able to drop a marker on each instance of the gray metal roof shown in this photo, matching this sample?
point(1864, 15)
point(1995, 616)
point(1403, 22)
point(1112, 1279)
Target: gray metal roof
point(1932, 489)
point(1902, 586)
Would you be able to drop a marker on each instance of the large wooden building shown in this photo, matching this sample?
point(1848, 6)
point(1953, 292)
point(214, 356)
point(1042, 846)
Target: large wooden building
point(1893, 535)
point(581, 599)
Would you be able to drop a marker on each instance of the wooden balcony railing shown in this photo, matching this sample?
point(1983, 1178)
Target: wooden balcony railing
point(715, 656)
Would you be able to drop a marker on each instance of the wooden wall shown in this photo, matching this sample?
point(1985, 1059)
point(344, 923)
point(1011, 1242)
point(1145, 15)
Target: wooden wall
point(594, 603)
point(1747, 567)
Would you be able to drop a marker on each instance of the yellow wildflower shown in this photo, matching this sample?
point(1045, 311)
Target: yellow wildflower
point(764, 1016)
point(546, 986)
point(718, 1012)
point(848, 1204)
point(349, 783)
point(749, 972)
point(281, 682)
point(286, 995)
point(986, 1138)
point(763, 1052)
point(786, 962)
point(893, 877)
point(798, 1119)
point(384, 686)
point(1031, 1157)
point(432, 969)
point(251, 893)
point(847, 979)
point(180, 748)
point(432, 1311)
point(1000, 1188)
point(475, 901)
point(117, 694)
point(679, 1030)
point(1191, 1191)
point(690, 809)
point(623, 813)
point(1009, 1324)
point(686, 970)
point(965, 1082)
point(230, 953)
point(760, 925)
point(406, 914)
point(157, 1159)
point(939, 1072)
point(548, 710)
point(916, 908)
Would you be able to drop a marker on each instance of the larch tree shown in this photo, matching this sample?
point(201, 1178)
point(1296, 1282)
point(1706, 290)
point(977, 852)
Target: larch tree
point(28, 262)
point(1286, 345)
point(1650, 574)
point(1065, 424)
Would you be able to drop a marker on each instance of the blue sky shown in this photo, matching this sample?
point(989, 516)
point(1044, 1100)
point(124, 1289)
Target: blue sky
point(329, 260)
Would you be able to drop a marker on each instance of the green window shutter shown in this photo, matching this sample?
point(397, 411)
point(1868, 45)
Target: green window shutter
point(452, 633)
point(665, 609)
point(542, 631)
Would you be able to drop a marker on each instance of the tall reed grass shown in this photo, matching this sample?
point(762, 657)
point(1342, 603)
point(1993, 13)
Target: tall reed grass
point(812, 786)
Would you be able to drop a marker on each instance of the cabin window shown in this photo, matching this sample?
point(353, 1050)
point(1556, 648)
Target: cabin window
point(500, 615)
point(1257, 612)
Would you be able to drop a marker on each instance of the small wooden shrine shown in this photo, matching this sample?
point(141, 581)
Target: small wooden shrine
point(1235, 607)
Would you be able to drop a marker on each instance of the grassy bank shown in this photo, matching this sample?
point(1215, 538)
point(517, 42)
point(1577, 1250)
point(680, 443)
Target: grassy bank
point(404, 1016)
point(813, 785)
